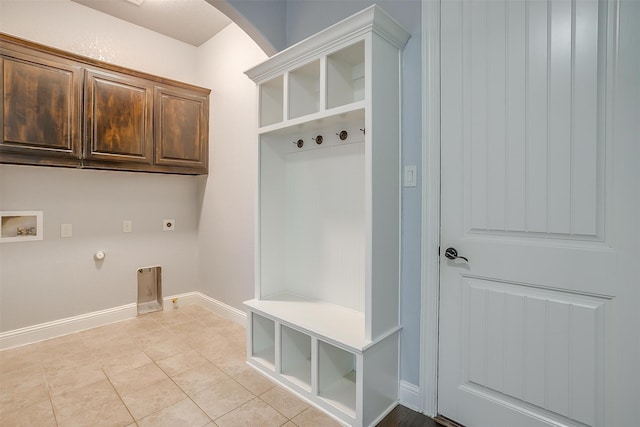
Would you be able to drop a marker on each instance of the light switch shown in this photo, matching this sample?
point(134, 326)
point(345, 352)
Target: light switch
point(410, 176)
point(127, 226)
point(66, 230)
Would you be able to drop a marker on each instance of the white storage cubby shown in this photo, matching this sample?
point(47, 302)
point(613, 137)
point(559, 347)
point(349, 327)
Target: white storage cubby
point(304, 90)
point(296, 357)
point(271, 101)
point(345, 76)
point(263, 340)
point(337, 377)
point(328, 230)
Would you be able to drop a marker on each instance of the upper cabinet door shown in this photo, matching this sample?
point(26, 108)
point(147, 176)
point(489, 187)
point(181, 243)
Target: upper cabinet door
point(40, 110)
point(181, 129)
point(118, 117)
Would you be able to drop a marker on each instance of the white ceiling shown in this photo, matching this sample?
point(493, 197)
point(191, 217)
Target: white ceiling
point(191, 21)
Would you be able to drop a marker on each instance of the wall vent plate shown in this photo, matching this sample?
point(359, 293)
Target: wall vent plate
point(168, 224)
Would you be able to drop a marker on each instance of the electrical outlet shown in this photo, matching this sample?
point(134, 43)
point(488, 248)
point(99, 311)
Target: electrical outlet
point(127, 226)
point(66, 230)
point(169, 224)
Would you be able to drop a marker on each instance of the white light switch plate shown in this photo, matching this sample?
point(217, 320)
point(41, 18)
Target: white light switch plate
point(410, 176)
point(127, 226)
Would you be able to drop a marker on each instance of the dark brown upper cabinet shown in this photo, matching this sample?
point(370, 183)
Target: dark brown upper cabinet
point(118, 121)
point(61, 109)
point(181, 128)
point(40, 109)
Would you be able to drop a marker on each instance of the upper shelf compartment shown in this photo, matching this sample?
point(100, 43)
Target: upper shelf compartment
point(271, 101)
point(327, 75)
point(304, 90)
point(346, 76)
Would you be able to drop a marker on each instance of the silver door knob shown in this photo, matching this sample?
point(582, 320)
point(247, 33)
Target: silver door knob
point(452, 253)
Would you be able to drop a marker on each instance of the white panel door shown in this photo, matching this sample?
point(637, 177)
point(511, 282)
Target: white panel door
point(540, 145)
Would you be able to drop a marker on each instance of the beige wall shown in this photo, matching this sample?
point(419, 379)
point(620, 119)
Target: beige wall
point(226, 229)
point(212, 248)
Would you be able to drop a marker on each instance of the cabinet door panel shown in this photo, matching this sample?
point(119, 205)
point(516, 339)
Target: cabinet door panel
point(181, 128)
point(118, 119)
point(40, 112)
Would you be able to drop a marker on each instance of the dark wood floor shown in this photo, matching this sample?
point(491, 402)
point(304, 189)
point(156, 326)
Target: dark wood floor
point(405, 417)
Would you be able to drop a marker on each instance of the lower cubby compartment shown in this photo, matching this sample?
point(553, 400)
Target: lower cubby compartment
point(296, 357)
point(337, 377)
point(263, 340)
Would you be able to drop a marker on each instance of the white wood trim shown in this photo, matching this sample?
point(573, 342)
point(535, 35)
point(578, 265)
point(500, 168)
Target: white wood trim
point(56, 328)
point(430, 205)
point(410, 396)
point(372, 18)
point(69, 325)
point(224, 310)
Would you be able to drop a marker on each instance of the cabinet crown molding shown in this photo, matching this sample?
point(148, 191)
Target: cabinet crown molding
point(372, 19)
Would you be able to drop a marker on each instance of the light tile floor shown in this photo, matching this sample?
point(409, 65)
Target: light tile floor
point(184, 367)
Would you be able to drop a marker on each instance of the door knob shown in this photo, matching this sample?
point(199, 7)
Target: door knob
point(452, 253)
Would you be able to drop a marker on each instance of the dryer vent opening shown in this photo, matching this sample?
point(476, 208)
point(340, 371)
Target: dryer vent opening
point(149, 289)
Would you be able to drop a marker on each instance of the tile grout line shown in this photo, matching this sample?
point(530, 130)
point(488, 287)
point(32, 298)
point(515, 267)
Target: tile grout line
point(46, 384)
point(120, 397)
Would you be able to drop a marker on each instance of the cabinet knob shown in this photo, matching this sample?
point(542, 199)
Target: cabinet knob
point(343, 135)
point(299, 143)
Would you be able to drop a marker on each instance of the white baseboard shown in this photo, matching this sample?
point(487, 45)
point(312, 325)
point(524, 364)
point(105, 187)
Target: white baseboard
point(57, 328)
point(70, 325)
point(384, 414)
point(224, 310)
point(410, 396)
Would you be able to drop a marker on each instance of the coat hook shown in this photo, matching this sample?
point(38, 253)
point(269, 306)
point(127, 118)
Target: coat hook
point(342, 135)
point(318, 139)
point(299, 143)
